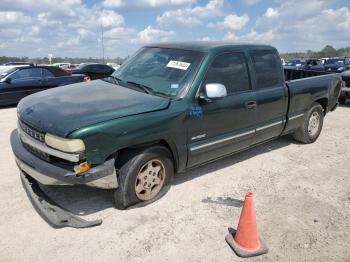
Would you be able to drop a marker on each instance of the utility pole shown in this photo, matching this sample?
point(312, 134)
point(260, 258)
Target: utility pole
point(103, 46)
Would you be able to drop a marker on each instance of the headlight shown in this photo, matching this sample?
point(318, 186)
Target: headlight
point(64, 144)
point(341, 68)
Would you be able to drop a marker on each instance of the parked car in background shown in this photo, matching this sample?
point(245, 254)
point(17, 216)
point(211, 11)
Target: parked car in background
point(345, 93)
point(94, 71)
point(115, 66)
point(337, 64)
point(302, 63)
point(18, 63)
point(61, 65)
point(18, 82)
point(171, 107)
point(294, 63)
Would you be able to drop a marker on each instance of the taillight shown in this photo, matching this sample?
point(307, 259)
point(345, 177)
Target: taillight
point(86, 79)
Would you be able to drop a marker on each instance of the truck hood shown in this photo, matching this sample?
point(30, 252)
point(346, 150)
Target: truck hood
point(65, 109)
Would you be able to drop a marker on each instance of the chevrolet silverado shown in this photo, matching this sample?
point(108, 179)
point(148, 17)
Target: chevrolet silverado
point(170, 107)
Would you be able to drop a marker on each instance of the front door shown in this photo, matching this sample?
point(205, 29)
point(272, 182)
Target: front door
point(23, 82)
point(223, 126)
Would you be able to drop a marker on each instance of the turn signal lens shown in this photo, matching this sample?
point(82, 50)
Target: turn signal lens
point(81, 168)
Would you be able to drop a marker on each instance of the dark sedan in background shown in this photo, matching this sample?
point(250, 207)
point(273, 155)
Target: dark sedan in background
point(337, 64)
point(17, 82)
point(94, 71)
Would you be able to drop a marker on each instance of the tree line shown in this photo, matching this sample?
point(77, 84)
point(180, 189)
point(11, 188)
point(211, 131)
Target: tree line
point(45, 60)
point(327, 51)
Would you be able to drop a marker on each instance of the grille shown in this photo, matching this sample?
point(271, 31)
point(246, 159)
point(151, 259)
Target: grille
point(37, 152)
point(32, 132)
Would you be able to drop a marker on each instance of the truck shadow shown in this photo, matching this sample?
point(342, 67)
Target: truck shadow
point(83, 201)
point(233, 159)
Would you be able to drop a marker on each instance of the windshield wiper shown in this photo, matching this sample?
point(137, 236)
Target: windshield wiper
point(115, 80)
point(146, 89)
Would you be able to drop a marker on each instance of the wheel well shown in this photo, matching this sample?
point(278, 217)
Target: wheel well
point(127, 150)
point(324, 103)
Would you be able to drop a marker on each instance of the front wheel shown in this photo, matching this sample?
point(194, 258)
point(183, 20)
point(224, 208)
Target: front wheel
point(144, 176)
point(311, 128)
point(342, 101)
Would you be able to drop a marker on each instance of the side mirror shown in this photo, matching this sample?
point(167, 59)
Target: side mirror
point(214, 91)
point(8, 80)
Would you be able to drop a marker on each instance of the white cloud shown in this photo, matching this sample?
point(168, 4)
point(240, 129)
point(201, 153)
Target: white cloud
point(108, 18)
point(251, 2)
point(13, 17)
point(300, 25)
point(232, 22)
point(271, 13)
point(150, 34)
point(119, 4)
point(205, 38)
point(190, 17)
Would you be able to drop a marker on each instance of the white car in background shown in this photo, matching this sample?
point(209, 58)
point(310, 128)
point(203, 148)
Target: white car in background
point(115, 66)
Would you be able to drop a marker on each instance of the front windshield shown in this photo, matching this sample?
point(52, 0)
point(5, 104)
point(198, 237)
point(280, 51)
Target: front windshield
point(335, 61)
point(4, 71)
point(165, 71)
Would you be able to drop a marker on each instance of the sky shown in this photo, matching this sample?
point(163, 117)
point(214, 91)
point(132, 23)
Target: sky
point(72, 28)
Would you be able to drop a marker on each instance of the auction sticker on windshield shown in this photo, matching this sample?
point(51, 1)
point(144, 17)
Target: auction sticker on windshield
point(178, 65)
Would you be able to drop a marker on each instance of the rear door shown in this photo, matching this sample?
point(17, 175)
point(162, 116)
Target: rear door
point(226, 125)
point(271, 94)
point(49, 80)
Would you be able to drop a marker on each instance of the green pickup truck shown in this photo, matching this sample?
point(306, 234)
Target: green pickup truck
point(170, 107)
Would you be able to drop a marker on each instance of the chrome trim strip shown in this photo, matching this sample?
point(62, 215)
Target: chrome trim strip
point(44, 148)
point(270, 125)
point(43, 179)
point(222, 140)
point(296, 116)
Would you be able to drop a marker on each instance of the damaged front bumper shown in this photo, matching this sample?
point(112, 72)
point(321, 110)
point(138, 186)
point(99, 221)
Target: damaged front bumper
point(101, 176)
point(51, 212)
point(35, 170)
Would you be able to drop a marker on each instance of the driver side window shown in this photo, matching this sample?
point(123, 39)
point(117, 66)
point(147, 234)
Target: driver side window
point(27, 73)
point(229, 69)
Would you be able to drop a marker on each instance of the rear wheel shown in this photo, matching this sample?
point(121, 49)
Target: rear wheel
point(311, 128)
point(144, 176)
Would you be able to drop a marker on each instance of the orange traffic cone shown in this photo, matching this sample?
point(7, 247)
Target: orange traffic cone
point(245, 241)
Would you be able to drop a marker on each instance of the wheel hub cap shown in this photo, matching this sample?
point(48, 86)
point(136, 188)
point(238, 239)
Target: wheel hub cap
point(314, 123)
point(150, 180)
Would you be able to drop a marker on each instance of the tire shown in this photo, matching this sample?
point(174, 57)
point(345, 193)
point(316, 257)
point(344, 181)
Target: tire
point(138, 183)
point(311, 128)
point(342, 101)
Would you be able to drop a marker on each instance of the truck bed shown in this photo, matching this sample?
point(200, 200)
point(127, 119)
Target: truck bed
point(323, 88)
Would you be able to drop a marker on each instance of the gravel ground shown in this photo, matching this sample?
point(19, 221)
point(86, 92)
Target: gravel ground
point(302, 197)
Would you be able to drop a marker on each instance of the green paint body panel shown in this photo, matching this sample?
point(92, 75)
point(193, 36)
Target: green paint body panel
point(196, 131)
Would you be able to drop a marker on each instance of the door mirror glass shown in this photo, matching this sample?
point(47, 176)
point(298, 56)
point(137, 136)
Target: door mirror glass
point(215, 91)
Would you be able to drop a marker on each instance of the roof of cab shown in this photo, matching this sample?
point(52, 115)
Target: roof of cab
point(205, 46)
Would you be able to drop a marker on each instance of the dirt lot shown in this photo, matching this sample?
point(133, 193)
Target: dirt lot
point(302, 196)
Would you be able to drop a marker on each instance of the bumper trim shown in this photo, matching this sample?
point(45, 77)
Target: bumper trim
point(51, 212)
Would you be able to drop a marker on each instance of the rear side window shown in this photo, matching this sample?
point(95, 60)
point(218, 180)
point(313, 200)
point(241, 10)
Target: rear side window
point(229, 69)
point(267, 70)
point(47, 73)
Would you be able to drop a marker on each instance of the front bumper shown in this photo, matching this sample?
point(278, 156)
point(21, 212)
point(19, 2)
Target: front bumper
point(101, 176)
